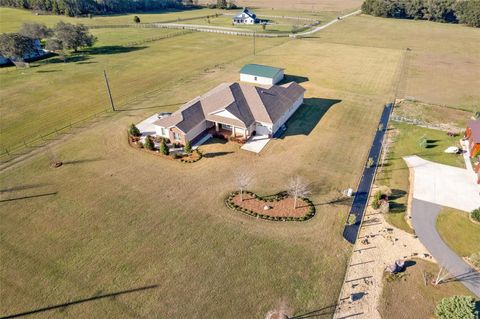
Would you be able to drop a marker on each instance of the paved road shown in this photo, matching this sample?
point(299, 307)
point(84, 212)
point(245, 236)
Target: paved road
point(363, 192)
point(424, 217)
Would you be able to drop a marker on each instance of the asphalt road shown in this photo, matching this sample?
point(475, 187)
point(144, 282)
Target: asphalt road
point(424, 217)
point(360, 201)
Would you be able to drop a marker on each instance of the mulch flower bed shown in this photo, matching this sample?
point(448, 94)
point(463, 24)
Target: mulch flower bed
point(193, 157)
point(280, 206)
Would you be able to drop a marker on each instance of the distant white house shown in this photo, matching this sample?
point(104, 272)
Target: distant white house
point(247, 16)
point(261, 74)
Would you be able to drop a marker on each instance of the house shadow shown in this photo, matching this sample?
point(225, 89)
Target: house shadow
point(112, 49)
point(293, 78)
point(307, 116)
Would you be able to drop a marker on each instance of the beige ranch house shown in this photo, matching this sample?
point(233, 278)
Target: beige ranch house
point(240, 109)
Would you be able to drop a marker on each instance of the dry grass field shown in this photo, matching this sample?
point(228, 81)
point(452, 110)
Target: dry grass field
point(113, 219)
point(410, 290)
point(119, 219)
point(444, 62)
point(307, 5)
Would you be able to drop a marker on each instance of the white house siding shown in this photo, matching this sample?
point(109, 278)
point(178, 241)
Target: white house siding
point(158, 131)
point(255, 79)
point(225, 113)
point(194, 132)
point(288, 114)
point(263, 128)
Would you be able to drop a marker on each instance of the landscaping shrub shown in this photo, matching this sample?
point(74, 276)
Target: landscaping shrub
point(475, 214)
point(456, 307)
point(370, 162)
point(133, 130)
point(475, 259)
point(377, 200)
point(164, 148)
point(188, 147)
point(148, 144)
point(136, 19)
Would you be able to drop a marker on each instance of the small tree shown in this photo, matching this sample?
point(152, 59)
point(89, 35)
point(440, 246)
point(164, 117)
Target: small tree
point(16, 46)
point(73, 36)
point(35, 30)
point(188, 147)
point(475, 214)
point(242, 179)
point(164, 148)
point(136, 19)
point(133, 130)
point(297, 188)
point(148, 144)
point(456, 307)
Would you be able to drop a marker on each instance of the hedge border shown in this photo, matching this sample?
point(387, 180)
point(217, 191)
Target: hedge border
point(273, 198)
point(131, 141)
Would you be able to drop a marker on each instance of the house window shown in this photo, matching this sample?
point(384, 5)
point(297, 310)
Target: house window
point(164, 132)
point(176, 136)
point(227, 127)
point(255, 78)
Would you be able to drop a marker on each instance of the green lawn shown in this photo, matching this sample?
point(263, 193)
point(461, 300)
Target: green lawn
point(395, 173)
point(458, 232)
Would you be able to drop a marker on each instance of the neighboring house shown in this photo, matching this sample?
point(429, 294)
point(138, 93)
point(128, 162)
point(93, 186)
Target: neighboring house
point(246, 17)
point(261, 74)
point(472, 135)
point(238, 109)
point(37, 53)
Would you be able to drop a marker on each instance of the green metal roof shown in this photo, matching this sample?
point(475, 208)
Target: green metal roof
point(260, 70)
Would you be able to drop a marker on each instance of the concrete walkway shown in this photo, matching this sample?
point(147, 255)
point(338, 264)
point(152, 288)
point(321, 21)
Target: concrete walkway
point(256, 143)
point(424, 217)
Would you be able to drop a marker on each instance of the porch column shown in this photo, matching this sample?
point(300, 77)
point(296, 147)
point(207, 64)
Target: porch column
point(245, 133)
point(216, 126)
point(233, 131)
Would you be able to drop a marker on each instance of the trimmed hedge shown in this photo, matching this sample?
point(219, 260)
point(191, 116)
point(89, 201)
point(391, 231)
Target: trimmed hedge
point(200, 155)
point(273, 198)
point(475, 214)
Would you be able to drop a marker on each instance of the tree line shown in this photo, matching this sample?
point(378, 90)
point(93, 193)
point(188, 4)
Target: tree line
point(447, 11)
point(86, 7)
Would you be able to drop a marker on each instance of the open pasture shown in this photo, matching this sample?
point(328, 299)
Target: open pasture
point(443, 65)
point(114, 219)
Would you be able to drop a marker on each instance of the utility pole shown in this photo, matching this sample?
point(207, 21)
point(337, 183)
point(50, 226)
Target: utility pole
point(108, 89)
point(254, 42)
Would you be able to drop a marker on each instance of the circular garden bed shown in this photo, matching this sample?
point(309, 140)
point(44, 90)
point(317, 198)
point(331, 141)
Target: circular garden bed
point(280, 206)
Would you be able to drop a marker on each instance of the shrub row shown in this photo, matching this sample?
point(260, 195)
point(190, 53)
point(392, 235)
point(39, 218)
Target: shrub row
point(275, 198)
point(200, 155)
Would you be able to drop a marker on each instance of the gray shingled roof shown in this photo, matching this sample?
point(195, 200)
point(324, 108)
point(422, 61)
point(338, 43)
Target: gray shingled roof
point(247, 103)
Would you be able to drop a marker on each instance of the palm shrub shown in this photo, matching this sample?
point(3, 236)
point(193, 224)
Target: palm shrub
point(164, 148)
point(370, 162)
point(376, 199)
point(148, 144)
point(456, 307)
point(188, 147)
point(136, 19)
point(133, 130)
point(475, 214)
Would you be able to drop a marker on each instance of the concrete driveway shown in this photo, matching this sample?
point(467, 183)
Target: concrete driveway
point(146, 126)
point(444, 185)
point(256, 143)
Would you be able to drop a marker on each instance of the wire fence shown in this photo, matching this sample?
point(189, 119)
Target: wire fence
point(12, 152)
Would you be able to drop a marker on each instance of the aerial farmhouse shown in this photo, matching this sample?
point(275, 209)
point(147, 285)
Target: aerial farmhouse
point(247, 16)
point(239, 109)
point(261, 74)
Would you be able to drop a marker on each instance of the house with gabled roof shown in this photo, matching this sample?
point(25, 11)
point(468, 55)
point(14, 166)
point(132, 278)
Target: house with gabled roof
point(239, 109)
point(247, 16)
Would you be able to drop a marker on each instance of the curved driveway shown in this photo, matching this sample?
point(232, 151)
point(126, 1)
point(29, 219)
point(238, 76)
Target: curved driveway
point(435, 186)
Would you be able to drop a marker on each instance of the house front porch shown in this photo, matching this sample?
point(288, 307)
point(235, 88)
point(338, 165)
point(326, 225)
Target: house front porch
point(228, 131)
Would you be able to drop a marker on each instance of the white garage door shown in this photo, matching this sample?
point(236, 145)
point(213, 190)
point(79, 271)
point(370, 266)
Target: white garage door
point(262, 130)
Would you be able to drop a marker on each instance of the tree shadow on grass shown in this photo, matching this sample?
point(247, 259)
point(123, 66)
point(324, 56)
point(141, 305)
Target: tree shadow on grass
point(111, 49)
point(216, 154)
point(307, 116)
point(325, 311)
